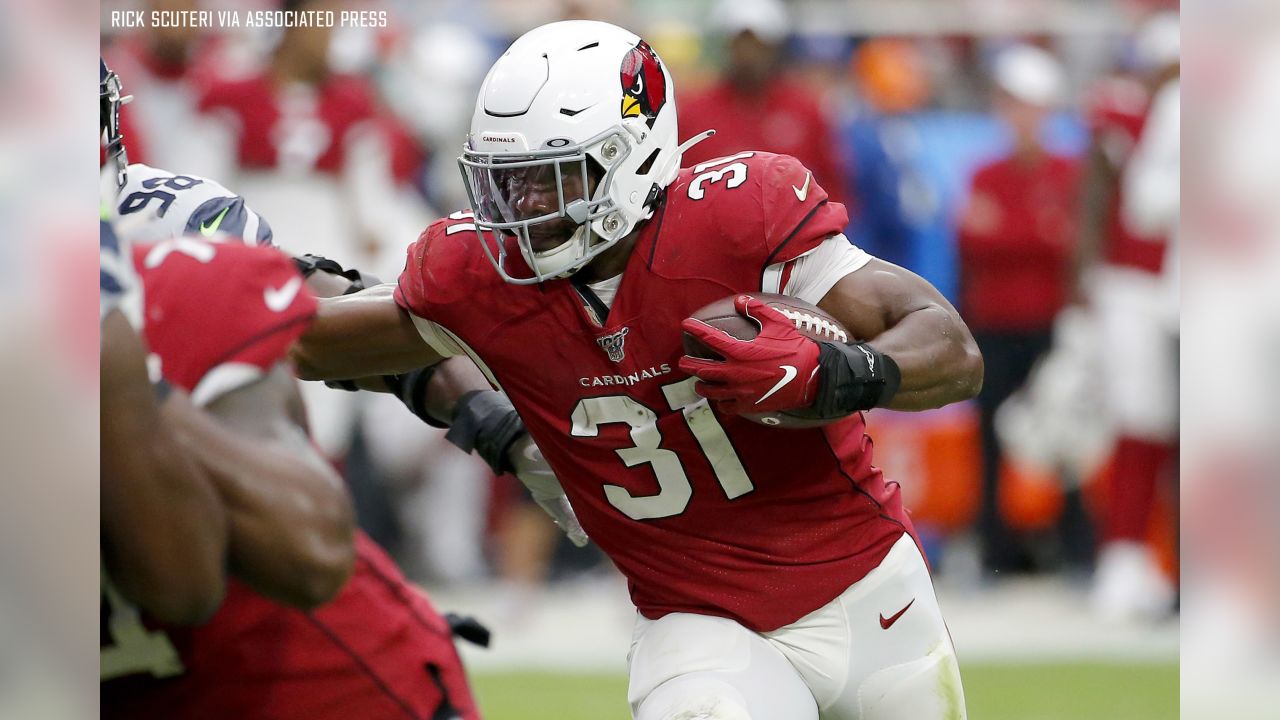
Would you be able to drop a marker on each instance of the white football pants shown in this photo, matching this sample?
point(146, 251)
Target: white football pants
point(1139, 342)
point(836, 663)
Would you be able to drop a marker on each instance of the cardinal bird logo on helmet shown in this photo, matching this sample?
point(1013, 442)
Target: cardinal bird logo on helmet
point(644, 86)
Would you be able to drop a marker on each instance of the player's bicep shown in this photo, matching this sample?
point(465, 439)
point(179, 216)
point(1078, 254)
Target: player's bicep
point(268, 410)
point(359, 335)
point(878, 295)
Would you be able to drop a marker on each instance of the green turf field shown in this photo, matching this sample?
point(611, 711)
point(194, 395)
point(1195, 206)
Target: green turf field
point(1027, 691)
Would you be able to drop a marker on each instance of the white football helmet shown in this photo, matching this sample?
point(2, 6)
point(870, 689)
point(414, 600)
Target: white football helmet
point(577, 99)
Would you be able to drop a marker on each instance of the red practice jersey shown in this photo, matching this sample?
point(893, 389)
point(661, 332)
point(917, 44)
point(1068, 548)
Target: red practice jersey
point(378, 650)
point(703, 512)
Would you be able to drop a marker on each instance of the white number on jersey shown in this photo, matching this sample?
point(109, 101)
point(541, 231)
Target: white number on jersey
point(674, 488)
point(736, 172)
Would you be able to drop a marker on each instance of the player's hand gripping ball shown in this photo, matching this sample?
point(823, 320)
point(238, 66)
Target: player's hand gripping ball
point(757, 356)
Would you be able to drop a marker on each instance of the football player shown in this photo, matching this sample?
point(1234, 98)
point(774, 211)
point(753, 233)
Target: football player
point(294, 638)
point(164, 531)
point(775, 571)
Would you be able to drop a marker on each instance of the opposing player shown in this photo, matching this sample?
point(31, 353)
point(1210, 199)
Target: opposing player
point(317, 622)
point(220, 318)
point(775, 571)
point(164, 531)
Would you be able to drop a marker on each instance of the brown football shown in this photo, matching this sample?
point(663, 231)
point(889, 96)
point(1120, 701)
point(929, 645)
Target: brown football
point(812, 321)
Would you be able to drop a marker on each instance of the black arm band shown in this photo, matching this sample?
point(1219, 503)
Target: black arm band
point(486, 422)
point(411, 389)
point(854, 377)
point(309, 264)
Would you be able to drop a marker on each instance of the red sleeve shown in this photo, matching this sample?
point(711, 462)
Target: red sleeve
point(220, 307)
point(798, 215)
point(411, 287)
point(438, 266)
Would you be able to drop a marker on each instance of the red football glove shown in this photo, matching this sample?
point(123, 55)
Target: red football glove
point(777, 370)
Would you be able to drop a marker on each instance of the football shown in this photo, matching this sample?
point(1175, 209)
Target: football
point(812, 321)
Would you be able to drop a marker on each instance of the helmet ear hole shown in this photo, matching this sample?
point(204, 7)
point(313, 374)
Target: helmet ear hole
point(647, 166)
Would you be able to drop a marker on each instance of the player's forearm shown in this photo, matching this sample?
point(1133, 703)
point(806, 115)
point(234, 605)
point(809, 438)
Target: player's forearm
point(360, 335)
point(291, 521)
point(937, 356)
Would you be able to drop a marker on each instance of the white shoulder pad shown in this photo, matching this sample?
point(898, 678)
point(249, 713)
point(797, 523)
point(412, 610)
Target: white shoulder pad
point(156, 205)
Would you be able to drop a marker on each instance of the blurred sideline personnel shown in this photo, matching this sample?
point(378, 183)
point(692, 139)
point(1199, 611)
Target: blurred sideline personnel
point(294, 636)
point(318, 154)
point(1015, 243)
point(754, 106)
point(164, 530)
point(775, 572)
point(1124, 271)
point(171, 66)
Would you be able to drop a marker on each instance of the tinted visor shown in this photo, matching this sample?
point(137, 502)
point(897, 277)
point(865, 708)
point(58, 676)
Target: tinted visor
point(522, 190)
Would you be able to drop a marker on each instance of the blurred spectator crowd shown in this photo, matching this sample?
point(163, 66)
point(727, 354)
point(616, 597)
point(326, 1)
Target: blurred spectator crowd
point(1024, 172)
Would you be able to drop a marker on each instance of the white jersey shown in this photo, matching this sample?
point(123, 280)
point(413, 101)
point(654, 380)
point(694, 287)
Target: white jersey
point(118, 286)
point(156, 205)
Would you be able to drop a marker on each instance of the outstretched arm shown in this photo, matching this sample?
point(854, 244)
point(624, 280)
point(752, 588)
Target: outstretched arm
point(901, 315)
point(360, 335)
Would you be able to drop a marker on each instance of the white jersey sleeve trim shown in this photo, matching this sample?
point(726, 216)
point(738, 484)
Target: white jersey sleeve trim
point(814, 273)
point(223, 379)
point(437, 337)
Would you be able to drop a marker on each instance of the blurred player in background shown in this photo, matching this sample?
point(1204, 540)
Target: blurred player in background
point(171, 65)
point(1015, 242)
point(1125, 279)
point(788, 585)
point(318, 153)
point(754, 105)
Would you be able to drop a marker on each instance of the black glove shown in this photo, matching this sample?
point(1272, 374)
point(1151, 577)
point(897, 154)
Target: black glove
point(309, 264)
point(854, 377)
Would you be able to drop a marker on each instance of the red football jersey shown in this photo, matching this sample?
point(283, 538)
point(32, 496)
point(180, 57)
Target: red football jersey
point(703, 512)
point(378, 650)
point(218, 315)
point(277, 129)
point(1116, 114)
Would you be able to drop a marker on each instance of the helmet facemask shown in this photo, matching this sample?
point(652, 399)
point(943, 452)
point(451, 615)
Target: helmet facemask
point(110, 99)
point(491, 179)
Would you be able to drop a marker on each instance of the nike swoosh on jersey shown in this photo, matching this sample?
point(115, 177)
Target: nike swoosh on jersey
point(803, 191)
point(208, 229)
point(788, 374)
point(279, 299)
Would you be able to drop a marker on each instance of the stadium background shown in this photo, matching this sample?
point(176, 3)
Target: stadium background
point(906, 87)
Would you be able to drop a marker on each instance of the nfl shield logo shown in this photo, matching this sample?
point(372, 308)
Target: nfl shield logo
point(612, 344)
